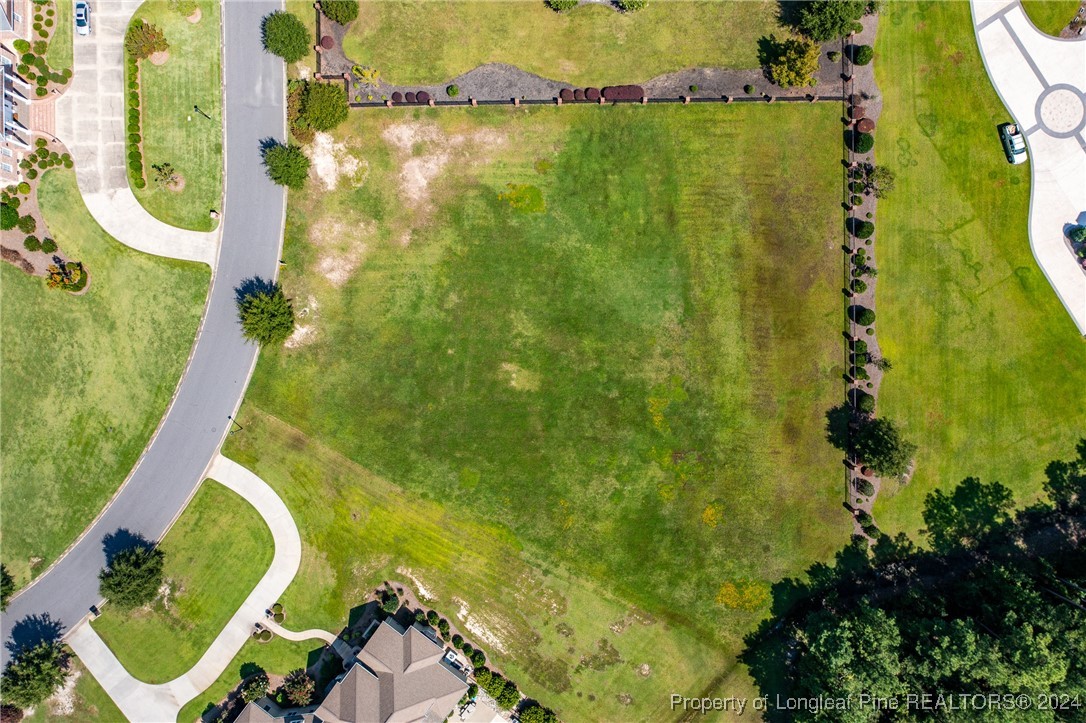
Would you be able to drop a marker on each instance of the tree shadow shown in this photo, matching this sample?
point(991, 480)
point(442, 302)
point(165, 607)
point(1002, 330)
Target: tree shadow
point(253, 285)
point(362, 612)
point(788, 12)
point(32, 631)
point(121, 540)
point(266, 144)
point(837, 421)
point(249, 669)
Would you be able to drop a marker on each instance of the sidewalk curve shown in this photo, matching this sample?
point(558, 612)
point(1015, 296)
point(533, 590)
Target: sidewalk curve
point(145, 703)
point(1042, 81)
point(90, 120)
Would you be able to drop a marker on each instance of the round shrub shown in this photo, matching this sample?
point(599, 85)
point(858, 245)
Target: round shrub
point(48, 22)
point(135, 155)
point(452, 91)
point(561, 6)
point(340, 11)
point(859, 286)
point(21, 46)
point(422, 97)
point(856, 200)
point(859, 142)
point(27, 224)
point(861, 54)
point(43, 164)
point(859, 373)
point(40, 143)
point(139, 183)
point(286, 165)
point(23, 69)
point(748, 89)
point(860, 229)
point(133, 126)
point(864, 486)
point(856, 186)
point(864, 402)
point(32, 173)
point(48, 245)
point(324, 106)
point(31, 243)
point(134, 138)
point(9, 216)
point(861, 315)
point(1077, 234)
point(42, 81)
point(68, 163)
point(694, 89)
point(834, 56)
point(24, 188)
point(285, 35)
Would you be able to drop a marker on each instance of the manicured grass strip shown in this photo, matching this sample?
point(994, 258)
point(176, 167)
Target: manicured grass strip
point(173, 132)
point(215, 554)
point(59, 55)
point(988, 367)
point(1051, 16)
point(591, 45)
point(90, 704)
point(469, 565)
point(88, 377)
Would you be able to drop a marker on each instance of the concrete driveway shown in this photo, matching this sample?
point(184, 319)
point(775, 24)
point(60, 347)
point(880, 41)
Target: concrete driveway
point(1042, 81)
point(90, 120)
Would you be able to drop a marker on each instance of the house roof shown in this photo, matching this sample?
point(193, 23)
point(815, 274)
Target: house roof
point(400, 676)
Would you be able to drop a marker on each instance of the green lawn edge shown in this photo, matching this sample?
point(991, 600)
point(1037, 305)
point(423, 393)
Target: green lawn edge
point(1050, 16)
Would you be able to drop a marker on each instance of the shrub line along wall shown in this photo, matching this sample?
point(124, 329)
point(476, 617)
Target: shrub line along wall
point(644, 101)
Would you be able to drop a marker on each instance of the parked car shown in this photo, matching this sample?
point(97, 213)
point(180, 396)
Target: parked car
point(1014, 145)
point(82, 17)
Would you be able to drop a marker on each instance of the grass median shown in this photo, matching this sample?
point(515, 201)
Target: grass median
point(94, 374)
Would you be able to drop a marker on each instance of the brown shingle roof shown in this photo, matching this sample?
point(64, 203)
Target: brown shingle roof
point(400, 676)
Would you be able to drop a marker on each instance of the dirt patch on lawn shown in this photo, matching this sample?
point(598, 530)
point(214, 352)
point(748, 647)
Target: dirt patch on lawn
point(195, 17)
point(343, 243)
point(177, 185)
point(160, 57)
point(333, 161)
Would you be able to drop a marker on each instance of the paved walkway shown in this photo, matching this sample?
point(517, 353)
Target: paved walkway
point(90, 120)
point(146, 703)
point(1042, 81)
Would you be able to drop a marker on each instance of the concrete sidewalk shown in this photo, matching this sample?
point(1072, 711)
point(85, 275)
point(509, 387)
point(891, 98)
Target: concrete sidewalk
point(146, 703)
point(1042, 81)
point(90, 120)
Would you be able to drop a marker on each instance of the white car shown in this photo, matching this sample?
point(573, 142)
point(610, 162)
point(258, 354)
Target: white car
point(82, 17)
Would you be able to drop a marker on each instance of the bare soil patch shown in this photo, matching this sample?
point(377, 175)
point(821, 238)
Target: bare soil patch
point(160, 57)
point(196, 16)
point(332, 161)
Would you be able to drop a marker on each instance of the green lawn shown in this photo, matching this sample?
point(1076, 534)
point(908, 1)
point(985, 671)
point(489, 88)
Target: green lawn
point(215, 554)
point(90, 704)
point(988, 367)
point(59, 55)
point(1051, 16)
point(592, 45)
point(87, 378)
point(277, 657)
point(172, 131)
point(639, 372)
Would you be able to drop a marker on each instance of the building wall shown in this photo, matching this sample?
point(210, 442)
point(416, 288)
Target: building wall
point(15, 138)
point(16, 17)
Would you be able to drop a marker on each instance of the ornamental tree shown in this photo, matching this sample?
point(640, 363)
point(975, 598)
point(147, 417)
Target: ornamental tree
point(132, 577)
point(793, 62)
point(880, 446)
point(7, 587)
point(255, 688)
point(324, 106)
point(823, 20)
point(340, 11)
point(142, 40)
point(286, 164)
point(285, 35)
point(33, 674)
point(265, 313)
point(299, 687)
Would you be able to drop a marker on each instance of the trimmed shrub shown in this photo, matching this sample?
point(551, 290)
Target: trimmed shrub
point(452, 91)
point(859, 286)
point(285, 35)
point(792, 62)
point(578, 94)
point(856, 200)
point(409, 97)
point(694, 89)
point(24, 188)
point(134, 138)
point(31, 243)
point(859, 142)
point(561, 6)
point(859, 373)
point(422, 97)
point(834, 56)
point(623, 92)
point(749, 89)
point(21, 46)
point(324, 106)
point(32, 173)
point(630, 6)
point(861, 54)
point(592, 94)
point(864, 486)
point(397, 97)
point(1077, 234)
point(860, 229)
point(340, 11)
point(864, 402)
point(823, 20)
point(9, 217)
point(48, 245)
point(143, 40)
point(856, 187)
point(27, 224)
point(861, 315)
point(859, 346)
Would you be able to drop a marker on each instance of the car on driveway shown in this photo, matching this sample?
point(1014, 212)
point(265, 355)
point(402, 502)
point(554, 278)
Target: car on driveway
point(1014, 145)
point(82, 17)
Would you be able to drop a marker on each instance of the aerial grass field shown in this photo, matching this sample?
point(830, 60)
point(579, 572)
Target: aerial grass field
point(1051, 16)
point(988, 366)
point(590, 45)
point(215, 554)
point(173, 132)
point(59, 54)
point(93, 375)
point(607, 335)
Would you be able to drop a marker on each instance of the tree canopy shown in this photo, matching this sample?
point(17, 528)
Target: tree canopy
point(880, 446)
point(997, 605)
point(132, 577)
point(265, 313)
point(324, 105)
point(823, 20)
point(340, 11)
point(285, 35)
point(286, 164)
point(142, 40)
point(7, 587)
point(33, 673)
point(792, 61)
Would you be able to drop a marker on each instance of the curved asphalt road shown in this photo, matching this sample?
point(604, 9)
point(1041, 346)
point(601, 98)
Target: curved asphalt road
point(213, 385)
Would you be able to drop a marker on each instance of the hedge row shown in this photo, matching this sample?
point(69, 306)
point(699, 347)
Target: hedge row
point(135, 154)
